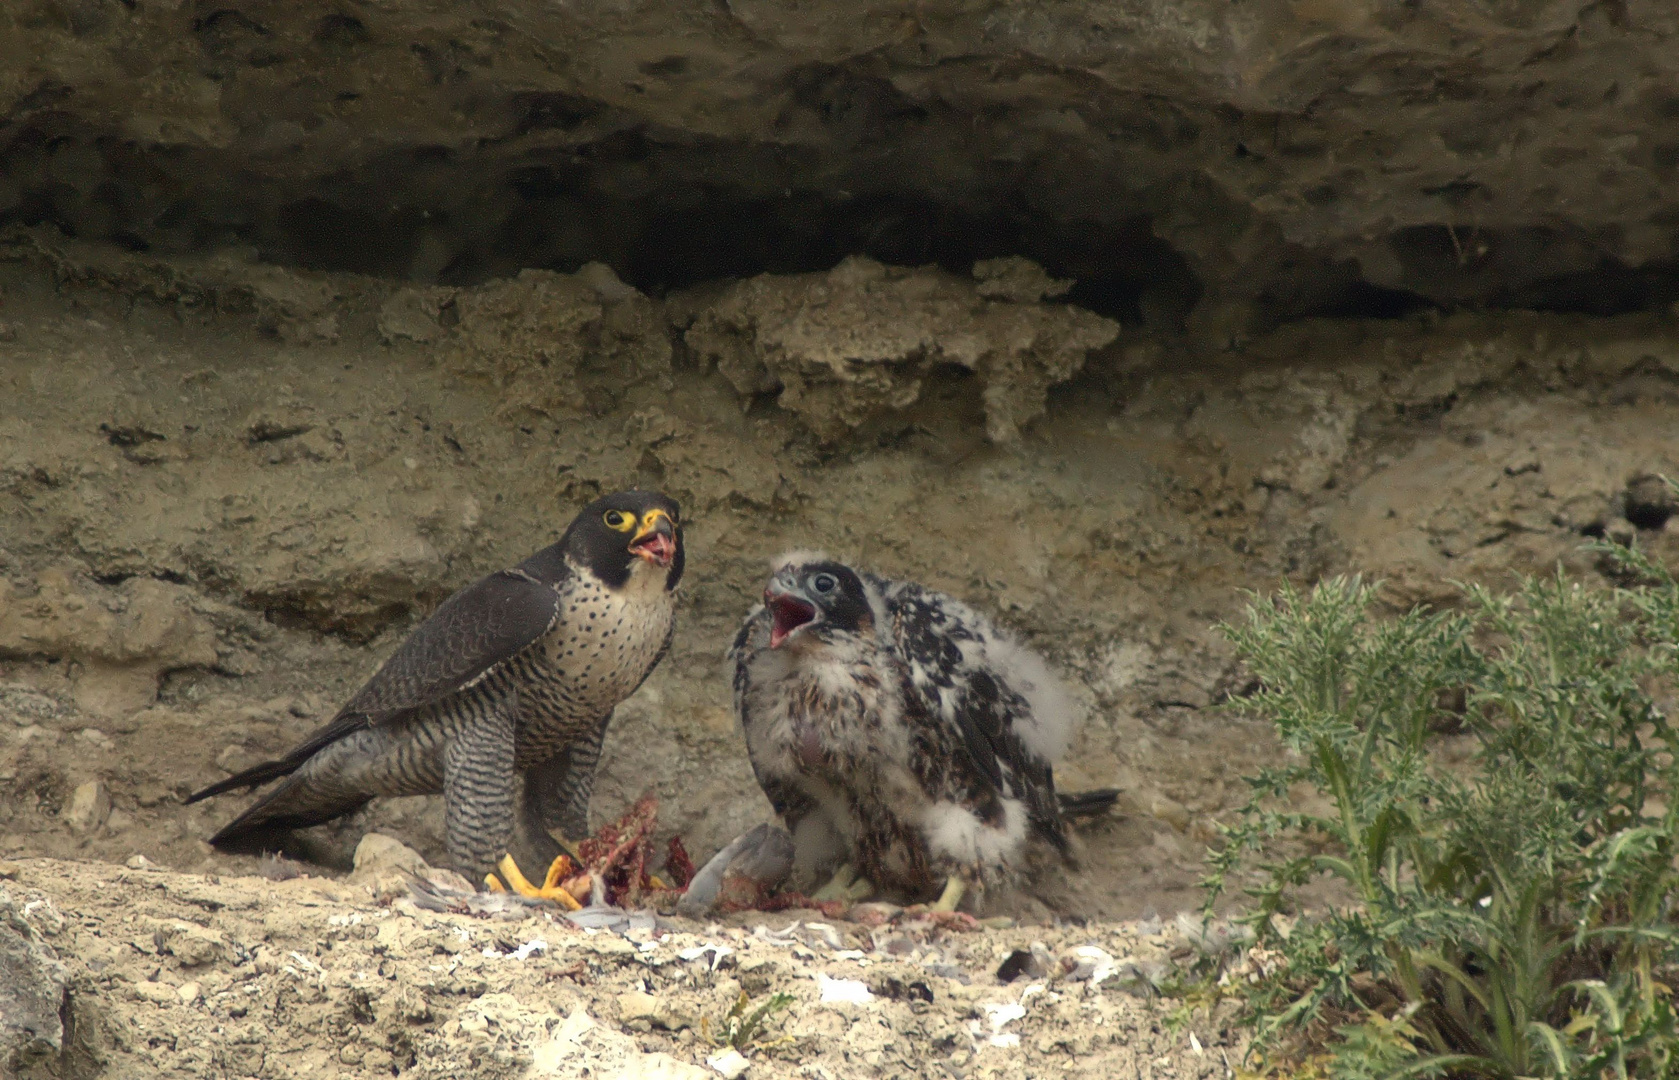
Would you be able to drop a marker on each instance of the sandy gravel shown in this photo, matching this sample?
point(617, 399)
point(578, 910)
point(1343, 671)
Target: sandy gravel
point(184, 975)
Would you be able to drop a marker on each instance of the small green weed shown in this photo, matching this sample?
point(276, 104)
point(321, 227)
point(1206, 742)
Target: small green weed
point(1512, 916)
point(742, 1029)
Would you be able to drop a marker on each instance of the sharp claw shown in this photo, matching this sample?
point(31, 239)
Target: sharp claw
point(558, 871)
point(952, 895)
point(550, 888)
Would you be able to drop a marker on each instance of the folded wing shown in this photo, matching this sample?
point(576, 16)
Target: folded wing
point(474, 631)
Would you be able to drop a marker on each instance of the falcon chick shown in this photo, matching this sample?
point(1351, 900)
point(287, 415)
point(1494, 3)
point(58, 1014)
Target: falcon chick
point(898, 727)
point(515, 675)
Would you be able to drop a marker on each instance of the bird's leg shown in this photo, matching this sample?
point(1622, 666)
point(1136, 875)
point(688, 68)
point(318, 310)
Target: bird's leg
point(859, 890)
point(569, 802)
point(954, 888)
point(550, 889)
point(478, 791)
point(553, 808)
point(836, 888)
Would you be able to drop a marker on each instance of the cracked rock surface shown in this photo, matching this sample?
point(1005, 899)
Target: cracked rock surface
point(841, 348)
point(182, 975)
point(31, 986)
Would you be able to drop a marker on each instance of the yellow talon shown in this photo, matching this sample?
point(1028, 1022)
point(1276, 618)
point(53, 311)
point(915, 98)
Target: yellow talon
point(558, 871)
point(493, 883)
point(515, 878)
point(550, 888)
point(553, 890)
point(836, 888)
point(954, 888)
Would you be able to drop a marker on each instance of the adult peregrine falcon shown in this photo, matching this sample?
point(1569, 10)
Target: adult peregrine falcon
point(515, 675)
point(897, 727)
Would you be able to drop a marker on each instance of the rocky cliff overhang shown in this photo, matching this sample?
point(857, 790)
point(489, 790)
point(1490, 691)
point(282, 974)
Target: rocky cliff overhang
point(1212, 164)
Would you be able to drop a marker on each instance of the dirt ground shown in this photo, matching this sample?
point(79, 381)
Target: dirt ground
point(227, 491)
point(196, 976)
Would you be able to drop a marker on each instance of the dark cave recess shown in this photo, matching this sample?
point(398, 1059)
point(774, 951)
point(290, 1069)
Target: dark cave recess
point(665, 216)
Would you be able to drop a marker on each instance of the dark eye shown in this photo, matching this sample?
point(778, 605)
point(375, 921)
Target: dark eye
point(617, 519)
point(824, 583)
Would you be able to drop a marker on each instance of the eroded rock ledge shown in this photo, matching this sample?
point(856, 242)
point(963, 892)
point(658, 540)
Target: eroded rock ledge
point(1193, 162)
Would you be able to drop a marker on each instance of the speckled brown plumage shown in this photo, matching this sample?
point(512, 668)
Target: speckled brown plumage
point(896, 727)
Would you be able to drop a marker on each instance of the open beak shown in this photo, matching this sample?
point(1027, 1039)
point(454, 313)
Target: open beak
point(788, 611)
point(656, 542)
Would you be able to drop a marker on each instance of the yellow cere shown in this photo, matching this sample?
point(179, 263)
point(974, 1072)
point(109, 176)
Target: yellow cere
point(651, 518)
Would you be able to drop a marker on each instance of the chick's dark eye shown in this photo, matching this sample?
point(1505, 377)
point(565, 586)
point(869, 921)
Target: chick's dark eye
point(615, 519)
point(824, 583)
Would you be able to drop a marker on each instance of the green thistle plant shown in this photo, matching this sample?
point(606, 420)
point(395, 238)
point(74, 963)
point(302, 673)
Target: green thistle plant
point(742, 1029)
point(1512, 917)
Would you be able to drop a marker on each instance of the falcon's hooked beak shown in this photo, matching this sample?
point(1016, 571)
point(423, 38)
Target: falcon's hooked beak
point(656, 540)
point(789, 609)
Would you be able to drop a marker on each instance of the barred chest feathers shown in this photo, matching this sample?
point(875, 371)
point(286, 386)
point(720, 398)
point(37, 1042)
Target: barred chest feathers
point(601, 647)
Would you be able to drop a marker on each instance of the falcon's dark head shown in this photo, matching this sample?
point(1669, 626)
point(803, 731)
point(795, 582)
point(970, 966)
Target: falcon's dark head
point(628, 534)
point(815, 598)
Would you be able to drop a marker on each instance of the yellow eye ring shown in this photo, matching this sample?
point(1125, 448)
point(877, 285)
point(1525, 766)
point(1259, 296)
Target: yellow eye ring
point(617, 519)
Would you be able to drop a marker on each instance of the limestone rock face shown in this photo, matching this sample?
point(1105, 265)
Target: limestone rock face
point(125, 637)
point(384, 864)
point(557, 342)
point(843, 347)
point(90, 806)
point(31, 991)
point(1261, 159)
